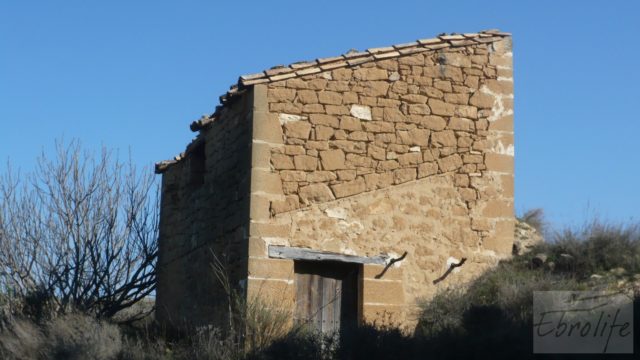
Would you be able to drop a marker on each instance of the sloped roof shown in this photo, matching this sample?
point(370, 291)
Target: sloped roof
point(351, 58)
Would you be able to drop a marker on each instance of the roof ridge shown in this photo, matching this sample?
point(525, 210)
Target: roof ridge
point(354, 57)
point(350, 58)
point(300, 68)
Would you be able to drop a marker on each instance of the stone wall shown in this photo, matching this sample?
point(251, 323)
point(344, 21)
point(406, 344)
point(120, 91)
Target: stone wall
point(412, 153)
point(204, 211)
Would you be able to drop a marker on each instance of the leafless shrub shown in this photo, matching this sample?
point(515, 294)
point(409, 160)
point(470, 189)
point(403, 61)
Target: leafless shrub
point(81, 229)
point(535, 218)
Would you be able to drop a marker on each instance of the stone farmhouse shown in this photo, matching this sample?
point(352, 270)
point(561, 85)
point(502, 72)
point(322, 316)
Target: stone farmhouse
point(344, 189)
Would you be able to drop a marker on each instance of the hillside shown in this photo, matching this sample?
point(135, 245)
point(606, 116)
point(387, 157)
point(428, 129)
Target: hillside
point(492, 318)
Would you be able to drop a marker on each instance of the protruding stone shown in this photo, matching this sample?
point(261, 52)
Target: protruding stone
point(336, 213)
point(281, 94)
point(388, 165)
point(291, 175)
point(408, 159)
point(376, 152)
point(346, 175)
point(426, 169)
point(439, 107)
point(315, 193)
point(350, 123)
point(401, 176)
point(378, 181)
point(358, 161)
point(414, 137)
point(349, 188)
point(393, 115)
point(419, 109)
point(323, 132)
point(330, 97)
point(450, 163)
point(361, 112)
point(323, 119)
point(539, 259)
point(288, 204)
point(375, 89)
point(433, 122)
point(482, 100)
point(305, 162)
point(466, 111)
point(415, 99)
point(370, 74)
point(378, 126)
point(443, 138)
point(297, 129)
point(285, 118)
point(321, 176)
point(461, 99)
point(461, 124)
point(307, 96)
point(332, 159)
point(281, 162)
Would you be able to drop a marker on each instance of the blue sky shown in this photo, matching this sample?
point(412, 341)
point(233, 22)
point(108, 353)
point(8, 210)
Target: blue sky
point(134, 74)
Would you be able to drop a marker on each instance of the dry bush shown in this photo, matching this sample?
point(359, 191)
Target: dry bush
point(145, 341)
point(255, 321)
point(596, 247)
point(492, 316)
point(209, 343)
point(509, 287)
point(81, 337)
point(138, 349)
point(265, 322)
point(299, 344)
point(535, 218)
point(71, 336)
point(20, 339)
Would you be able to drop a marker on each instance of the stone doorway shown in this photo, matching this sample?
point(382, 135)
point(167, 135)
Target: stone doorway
point(326, 295)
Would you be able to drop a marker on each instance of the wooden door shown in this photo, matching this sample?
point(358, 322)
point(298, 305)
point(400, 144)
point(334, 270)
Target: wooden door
point(326, 295)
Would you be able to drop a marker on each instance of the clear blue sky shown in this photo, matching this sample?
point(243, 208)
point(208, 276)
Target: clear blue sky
point(134, 74)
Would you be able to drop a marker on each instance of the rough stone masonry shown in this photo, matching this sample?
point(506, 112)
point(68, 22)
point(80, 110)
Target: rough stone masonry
point(407, 148)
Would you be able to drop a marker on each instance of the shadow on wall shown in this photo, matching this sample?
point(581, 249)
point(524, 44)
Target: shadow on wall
point(493, 317)
point(486, 332)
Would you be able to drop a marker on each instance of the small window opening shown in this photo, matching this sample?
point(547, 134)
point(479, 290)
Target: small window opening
point(197, 166)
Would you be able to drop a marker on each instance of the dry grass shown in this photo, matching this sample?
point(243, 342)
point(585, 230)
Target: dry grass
point(492, 317)
point(489, 319)
point(67, 337)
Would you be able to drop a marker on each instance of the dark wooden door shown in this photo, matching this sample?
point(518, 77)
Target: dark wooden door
point(326, 295)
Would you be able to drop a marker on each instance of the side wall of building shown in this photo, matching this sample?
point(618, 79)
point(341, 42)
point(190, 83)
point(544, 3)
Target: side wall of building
point(205, 212)
point(410, 154)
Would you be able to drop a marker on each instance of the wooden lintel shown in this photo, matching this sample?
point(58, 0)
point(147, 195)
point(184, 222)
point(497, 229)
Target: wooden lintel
point(295, 253)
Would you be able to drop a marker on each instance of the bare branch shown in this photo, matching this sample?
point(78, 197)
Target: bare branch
point(82, 227)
